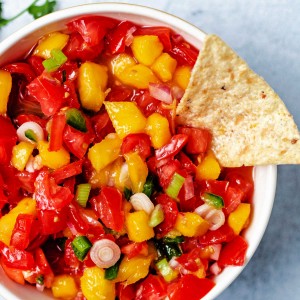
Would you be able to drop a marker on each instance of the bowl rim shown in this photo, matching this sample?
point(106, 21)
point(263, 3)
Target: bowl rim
point(174, 23)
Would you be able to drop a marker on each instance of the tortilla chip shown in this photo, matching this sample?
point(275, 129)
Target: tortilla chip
point(249, 122)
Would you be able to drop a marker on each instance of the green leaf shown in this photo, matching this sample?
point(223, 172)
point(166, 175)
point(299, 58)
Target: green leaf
point(38, 11)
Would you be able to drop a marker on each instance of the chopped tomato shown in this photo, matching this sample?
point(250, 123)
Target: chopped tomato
point(20, 237)
point(146, 103)
point(199, 139)
point(57, 128)
point(233, 253)
point(92, 28)
point(109, 208)
point(13, 273)
point(21, 69)
point(232, 199)
point(190, 287)
point(49, 195)
point(191, 261)
point(177, 142)
point(166, 172)
point(36, 63)
point(184, 54)
point(8, 139)
point(71, 99)
point(139, 142)
point(102, 126)
point(224, 234)
point(67, 171)
point(52, 221)
point(187, 163)
point(134, 249)
point(126, 292)
point(20, 119)
point(120, 36)
point(75, 219)
point(43, 267)
point(119, 93)
point(48, 92)
point(153, 287)
point(170, 210)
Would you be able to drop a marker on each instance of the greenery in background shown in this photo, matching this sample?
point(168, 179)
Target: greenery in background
point(35, 10)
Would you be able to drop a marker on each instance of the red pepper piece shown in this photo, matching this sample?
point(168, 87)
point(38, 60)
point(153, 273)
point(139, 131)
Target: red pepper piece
point(57, 128)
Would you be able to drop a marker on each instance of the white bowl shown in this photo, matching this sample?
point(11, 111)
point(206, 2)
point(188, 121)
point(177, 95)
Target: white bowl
point(19, 43)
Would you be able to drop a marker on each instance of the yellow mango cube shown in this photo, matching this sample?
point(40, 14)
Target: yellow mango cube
point(209, 168)
point(120, 63)
point(64, 286)
point(94, 286)
point(137, 226)
point(105, 152)
point(191, 224)
point(138, 171)
point(52, 159)
point(21, 154)
point(138, 76)
point(157, 127)
point(5, 88)
point(7, 222)
point(54, 40)
point(164, 67)
point(146, 48)
point(182, 76)
point(126, 117)
point(133, 269)
point(92, 82)
point(238, 219)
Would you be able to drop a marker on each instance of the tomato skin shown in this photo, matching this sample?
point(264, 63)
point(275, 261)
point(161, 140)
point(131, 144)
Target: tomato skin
point(49, 195)
point(21, 233)
point(224, 234)
point(133, 249)
point(75, 219)
point(13, 273)
point(199, 139)
point(190, 287)
point(52, 221)
point(109, 208)
point(118, 36)
point(67, 171)
point(8, 139)
point(234, 252)
point(22, 69)
point(163, 34)
point(187, 163)
point(177, 142)
point(183, 54)
point(92, 28)
point(166, 172)
point(57, 128)
point(170, 210)
point(153, 287)
point(139, 142)
point(48, 92)
point(102, 126)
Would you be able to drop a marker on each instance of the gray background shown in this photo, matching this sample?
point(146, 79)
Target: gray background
point(266, 33)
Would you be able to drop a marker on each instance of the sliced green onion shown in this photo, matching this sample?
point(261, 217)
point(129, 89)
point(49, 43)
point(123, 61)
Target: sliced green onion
point(55, 61)
point(157, 216)
point(127, 193)
point(30, 134)
point(82, 193)
point(81, 246)
point(75, 118)
point(40, 280)
point(149, 186)
point(175, 186)
point(165, 270)
point(213, 200)
point(111, 273)
point(177, 239)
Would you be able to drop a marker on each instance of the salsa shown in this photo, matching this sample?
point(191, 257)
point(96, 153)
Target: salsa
point(102, 194)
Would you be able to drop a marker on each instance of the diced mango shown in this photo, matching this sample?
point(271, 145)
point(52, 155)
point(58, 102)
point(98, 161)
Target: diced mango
point(7, 222)
point(133, 269)
point(146, 48)
point(137, 226)
point(164, 67)
point(126, 117)
point(120, 63)
point(157, 127)
point(138, 171)
point(54, 40)
point(64, 287)
point(105, 152)
point(208, 168)
point(5, 88)
point(21, 154)
point(53, 159)
point(182, 76)
point(138, 76)
point(94, 286)
point(191, 224)
point(92, 82)
point(239, 217)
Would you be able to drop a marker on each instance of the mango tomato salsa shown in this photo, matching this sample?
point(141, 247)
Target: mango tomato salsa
point(102, 195)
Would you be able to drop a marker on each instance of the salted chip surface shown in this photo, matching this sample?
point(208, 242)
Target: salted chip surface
point(249, 122)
